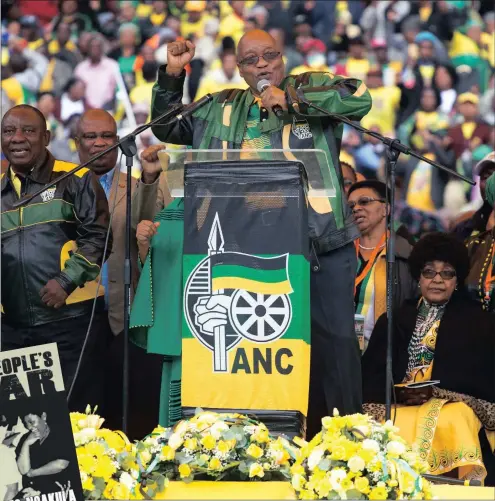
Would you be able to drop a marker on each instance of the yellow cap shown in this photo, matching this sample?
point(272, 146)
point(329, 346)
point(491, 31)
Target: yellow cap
point(468, 97)
point(195, 5)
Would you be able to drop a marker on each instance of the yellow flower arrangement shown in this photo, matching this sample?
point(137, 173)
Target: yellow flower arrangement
point(212, 446)
point(354, 457)
point(106, 459)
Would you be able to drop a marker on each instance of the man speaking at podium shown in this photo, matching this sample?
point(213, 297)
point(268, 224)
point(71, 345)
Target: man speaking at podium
point(249, 122)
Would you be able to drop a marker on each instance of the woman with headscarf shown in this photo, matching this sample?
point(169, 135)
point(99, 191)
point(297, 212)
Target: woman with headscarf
point(444, 341)
point(481, 247)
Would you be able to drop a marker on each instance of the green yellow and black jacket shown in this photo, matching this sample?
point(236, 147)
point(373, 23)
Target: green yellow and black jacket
point(221, 124)
point(60, 234)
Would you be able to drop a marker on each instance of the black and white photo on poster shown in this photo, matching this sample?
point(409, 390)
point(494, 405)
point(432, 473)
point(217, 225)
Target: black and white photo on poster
point(37, 453)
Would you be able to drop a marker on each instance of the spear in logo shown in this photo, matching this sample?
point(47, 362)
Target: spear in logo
point(215, 246)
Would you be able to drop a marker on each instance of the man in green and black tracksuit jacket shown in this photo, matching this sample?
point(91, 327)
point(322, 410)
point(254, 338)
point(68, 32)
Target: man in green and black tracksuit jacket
point(52, 251)
point(244, 119)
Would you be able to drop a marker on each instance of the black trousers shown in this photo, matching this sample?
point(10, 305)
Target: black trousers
point(335, 379)
point(69, 334)
point(145, 374)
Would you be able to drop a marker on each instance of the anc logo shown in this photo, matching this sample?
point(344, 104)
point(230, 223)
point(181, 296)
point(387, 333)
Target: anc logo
point(231, 296)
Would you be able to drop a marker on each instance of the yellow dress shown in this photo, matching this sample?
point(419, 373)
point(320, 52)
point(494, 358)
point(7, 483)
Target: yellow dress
point(446, 433)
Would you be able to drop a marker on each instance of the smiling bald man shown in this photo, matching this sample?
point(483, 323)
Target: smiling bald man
point(238, 119)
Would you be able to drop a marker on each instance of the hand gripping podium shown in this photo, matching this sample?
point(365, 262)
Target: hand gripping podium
point(246, 334)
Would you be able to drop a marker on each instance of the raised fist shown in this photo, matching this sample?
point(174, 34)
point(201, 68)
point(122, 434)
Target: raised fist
point(179, 54)
point(150, 163)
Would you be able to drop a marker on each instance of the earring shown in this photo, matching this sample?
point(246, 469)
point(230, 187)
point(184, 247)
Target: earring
point(455, 287)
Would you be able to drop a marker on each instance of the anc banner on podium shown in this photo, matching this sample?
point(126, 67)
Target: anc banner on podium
point(246, 328)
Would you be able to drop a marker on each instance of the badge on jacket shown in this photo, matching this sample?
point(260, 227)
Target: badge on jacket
point(301, 129)
point(48, 194)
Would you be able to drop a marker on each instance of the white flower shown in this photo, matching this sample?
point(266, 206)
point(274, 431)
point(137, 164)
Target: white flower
point(127, 480)
point(315, 457)
point(217, 428)
point(336, 477)
point(84, 436)
point(335, 412)
point(389, 426)
point(356, 464)
point(146, 456)
point(396, 448)
point(181, 427)
point(175, 441)
point(363, 430)
point(371, 445)
point(298, 481)
point(91, 421)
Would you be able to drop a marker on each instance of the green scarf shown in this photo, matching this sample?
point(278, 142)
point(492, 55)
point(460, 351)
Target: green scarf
point(156, 315)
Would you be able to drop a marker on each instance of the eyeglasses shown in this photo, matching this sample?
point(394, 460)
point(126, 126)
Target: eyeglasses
point(445, 274)
point(267, 56)
point(364, 201)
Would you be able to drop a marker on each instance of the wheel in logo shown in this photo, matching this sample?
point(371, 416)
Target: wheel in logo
point(261, 318)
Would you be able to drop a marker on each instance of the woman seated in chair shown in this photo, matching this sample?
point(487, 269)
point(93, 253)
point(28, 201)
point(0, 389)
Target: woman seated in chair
point(443, 337)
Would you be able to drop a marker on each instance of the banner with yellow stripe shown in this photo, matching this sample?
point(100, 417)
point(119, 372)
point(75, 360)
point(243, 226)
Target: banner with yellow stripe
point(246, 330)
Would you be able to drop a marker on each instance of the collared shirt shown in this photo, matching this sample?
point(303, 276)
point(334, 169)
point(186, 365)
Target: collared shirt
point(106, 183)
point(16, 182)
point(253, 138)
point(100, 80)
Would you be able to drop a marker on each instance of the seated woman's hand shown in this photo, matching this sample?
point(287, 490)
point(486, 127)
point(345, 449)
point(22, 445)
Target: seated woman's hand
point(414, 396)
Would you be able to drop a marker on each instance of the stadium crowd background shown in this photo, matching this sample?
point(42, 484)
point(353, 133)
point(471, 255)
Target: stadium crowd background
point(429, 67)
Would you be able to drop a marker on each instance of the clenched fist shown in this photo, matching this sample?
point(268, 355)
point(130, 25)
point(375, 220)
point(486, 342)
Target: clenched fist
point(179, 54)
point(145, 231)
point(150, 163)
point(53, 295)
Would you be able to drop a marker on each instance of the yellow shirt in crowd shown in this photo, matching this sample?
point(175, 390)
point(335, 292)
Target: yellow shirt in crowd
point(383, 112)
point(141, 93)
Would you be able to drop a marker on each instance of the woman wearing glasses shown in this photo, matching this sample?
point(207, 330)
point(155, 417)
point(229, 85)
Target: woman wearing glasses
point(445, 341)
point(367, 202)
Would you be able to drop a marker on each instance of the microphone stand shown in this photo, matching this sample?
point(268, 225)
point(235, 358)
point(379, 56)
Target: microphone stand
point(295, 97)
point(128, 146)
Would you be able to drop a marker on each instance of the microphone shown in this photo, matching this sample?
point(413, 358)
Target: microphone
point(261, 87)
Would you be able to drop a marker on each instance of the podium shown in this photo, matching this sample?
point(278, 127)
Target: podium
point(246, 334)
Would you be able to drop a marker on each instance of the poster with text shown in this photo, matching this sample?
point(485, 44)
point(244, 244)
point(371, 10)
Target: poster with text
point(37, 453)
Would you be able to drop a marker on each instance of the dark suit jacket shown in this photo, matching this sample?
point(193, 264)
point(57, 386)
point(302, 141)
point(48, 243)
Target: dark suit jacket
point(464, 353)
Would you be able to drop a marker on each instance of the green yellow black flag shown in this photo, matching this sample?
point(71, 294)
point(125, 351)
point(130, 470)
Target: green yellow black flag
point(260, 275)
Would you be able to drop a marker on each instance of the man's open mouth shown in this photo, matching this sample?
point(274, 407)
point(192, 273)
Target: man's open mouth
point(19, 152)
